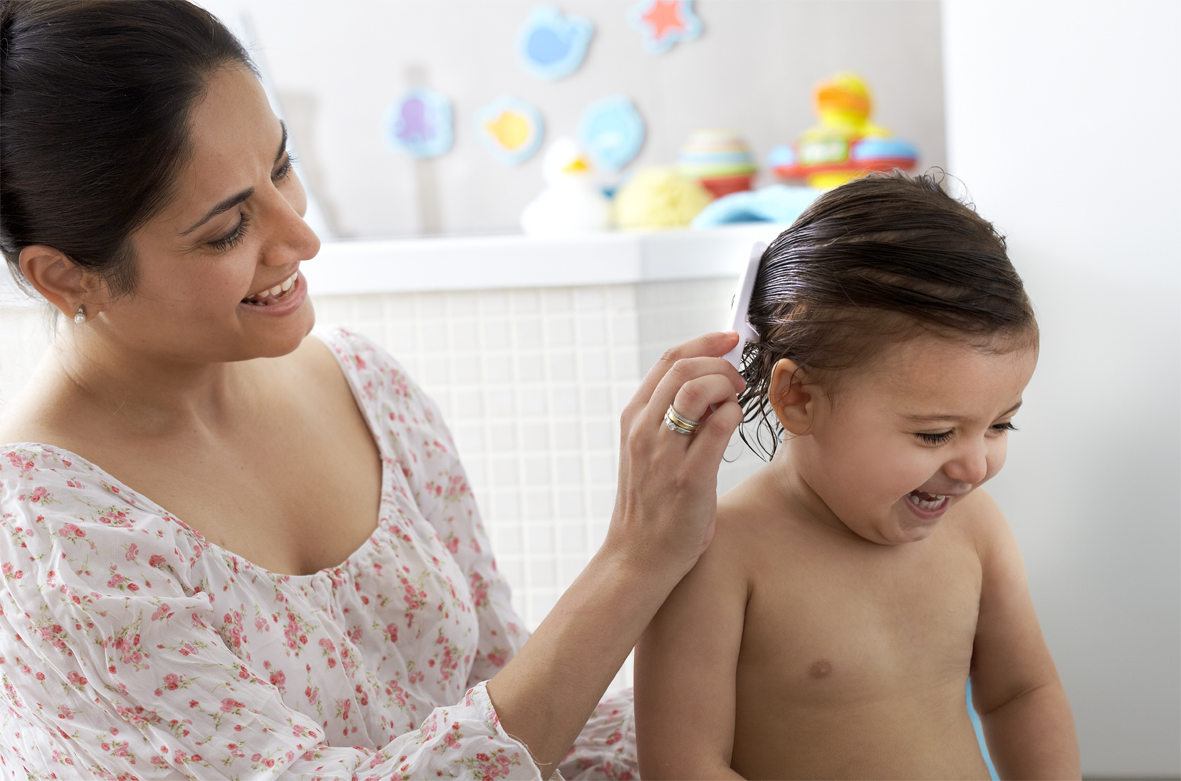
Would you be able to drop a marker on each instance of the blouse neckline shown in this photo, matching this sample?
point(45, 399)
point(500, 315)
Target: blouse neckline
point(331, 573)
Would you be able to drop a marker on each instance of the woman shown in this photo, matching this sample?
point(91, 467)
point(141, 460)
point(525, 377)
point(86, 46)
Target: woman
point(230, 549)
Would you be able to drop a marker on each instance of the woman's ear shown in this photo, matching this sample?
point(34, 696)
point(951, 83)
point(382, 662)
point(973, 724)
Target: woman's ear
point(61, 281)
point(792, 402)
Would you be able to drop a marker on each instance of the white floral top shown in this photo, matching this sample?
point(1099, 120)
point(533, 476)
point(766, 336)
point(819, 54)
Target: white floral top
point(131, 647)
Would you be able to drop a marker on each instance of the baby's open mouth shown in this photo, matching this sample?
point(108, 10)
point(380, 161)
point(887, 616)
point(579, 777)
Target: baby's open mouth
point(270, 295)
point(925, 500)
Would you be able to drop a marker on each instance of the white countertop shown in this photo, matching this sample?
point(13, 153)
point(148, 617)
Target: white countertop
point(485, 262)
point(514, 261)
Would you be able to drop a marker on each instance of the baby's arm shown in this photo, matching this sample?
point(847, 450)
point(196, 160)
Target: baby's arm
point(1015, 686)
point(685, 671)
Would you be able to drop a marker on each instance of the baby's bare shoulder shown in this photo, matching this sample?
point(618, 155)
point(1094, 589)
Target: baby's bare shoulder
point(981, 521)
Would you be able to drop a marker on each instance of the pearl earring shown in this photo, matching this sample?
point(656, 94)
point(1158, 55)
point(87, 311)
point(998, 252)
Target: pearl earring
point(80, 317)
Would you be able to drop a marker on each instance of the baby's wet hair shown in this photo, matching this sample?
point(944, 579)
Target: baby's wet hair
point(876, 262)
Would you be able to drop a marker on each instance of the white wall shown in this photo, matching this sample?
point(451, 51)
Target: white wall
point(337, 66)
point(1063, 120)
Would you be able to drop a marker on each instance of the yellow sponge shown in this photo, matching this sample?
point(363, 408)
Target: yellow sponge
point(658, 198)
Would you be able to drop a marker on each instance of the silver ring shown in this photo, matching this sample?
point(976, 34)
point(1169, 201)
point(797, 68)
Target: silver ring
point(677, 422)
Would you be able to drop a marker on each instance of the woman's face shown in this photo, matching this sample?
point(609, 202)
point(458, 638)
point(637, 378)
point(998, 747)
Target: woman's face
point(233, 233)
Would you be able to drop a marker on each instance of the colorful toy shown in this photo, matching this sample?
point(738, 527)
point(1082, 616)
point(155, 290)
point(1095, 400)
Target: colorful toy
point(552, 45)
point(658, 198)
point(612, 132)
point(510, 128)
point(664, 23)
point(419, 123)
point(719, 160)
point(846, 144)
point(570, 202)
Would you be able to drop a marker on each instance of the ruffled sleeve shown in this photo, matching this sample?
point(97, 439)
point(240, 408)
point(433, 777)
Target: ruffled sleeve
point(112, 666)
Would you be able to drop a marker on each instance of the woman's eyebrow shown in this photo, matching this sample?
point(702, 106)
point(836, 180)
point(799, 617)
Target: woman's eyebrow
point(933, 418)
point(237, 198)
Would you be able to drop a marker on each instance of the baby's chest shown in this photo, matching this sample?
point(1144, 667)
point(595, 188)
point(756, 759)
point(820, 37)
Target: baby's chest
point(831, 631)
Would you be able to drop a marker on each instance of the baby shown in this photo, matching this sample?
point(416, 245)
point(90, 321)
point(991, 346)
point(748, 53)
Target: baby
point(858, 579)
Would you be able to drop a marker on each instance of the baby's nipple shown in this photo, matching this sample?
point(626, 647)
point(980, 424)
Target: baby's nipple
point(820, 669)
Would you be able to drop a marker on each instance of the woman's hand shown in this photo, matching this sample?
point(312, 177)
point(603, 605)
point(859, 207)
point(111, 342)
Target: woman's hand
point(663, 521)
point(667, 495)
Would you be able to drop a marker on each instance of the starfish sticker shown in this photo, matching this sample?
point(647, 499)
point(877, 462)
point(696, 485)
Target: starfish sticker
point(664, 23)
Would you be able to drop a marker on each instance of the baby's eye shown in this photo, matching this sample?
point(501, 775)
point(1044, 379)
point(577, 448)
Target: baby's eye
point(935, 439)
point(1001, 428)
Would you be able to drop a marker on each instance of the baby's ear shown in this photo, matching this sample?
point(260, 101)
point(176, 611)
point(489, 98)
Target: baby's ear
point(793, 405)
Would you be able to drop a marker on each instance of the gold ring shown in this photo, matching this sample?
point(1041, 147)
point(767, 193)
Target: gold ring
point(679, 423)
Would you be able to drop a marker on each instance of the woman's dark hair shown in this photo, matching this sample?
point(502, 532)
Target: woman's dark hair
point(877, 261)
point(95, 98)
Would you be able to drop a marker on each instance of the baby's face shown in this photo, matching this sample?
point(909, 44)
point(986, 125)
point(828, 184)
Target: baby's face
point(910, 437)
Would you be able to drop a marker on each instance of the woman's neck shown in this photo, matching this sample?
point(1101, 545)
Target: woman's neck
point(92, 387)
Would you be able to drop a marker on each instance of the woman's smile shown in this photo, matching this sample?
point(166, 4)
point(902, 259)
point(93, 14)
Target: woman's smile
point(290, 294)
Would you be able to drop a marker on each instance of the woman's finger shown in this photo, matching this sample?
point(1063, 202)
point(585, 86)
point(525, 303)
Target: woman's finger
point(684, 372)
point(695, 399)
point(712, 345)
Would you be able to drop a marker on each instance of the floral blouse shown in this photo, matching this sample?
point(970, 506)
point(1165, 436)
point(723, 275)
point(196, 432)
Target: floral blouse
point(131, 647)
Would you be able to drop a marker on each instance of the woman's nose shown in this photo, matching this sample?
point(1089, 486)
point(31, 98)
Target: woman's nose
point(291, 238)
point(970, 464)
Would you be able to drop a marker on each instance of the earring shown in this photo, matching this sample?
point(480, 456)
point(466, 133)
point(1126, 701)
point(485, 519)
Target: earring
point(80, 317)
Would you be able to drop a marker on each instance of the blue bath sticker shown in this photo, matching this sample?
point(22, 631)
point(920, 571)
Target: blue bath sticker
point(419, 123)
point(663, 23)
point(612, 132)
point(551, 44)
point(510, 128)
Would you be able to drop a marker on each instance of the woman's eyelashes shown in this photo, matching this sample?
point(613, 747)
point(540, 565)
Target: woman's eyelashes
point(940, 437)
point(231, 239)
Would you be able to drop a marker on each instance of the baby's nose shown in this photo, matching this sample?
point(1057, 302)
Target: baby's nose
point(970, 464)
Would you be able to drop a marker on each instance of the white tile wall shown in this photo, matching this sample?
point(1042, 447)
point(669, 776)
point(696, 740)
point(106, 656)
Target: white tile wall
point(531, 382)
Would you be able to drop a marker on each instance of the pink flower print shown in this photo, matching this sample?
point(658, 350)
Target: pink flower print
point(156, 561)
point(329, 651)
point(278, 680)
point(172, 681)
point(10, 572)
point(71, 532)
point(76, 679)
point(132, 551)
point(162, 612)
point(498, 659)
point(64, 713)
point(312, 695)
point(230, 705)
point(115, 580)
point(21, 463)
point(39, 494)
point(391, 631)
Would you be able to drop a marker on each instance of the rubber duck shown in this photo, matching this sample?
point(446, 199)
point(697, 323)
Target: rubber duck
point(846, 144)
point(570, 202)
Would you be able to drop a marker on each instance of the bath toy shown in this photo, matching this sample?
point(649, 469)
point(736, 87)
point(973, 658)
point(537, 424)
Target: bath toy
point(663, 23)
point(719, 160)
point(612, 132)
point(551, 44)
point(510, 128)
point(846, 144)
point(570, 202)
point(419, 123)
point(658, 198)
point(779, 203)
